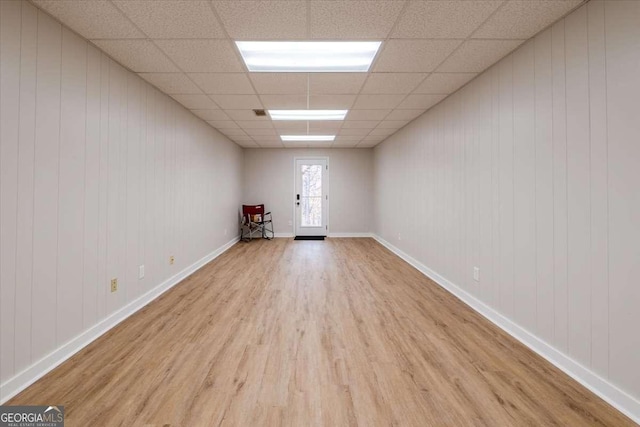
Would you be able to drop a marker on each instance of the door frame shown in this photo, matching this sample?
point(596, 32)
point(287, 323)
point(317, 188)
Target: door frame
point(325, 177)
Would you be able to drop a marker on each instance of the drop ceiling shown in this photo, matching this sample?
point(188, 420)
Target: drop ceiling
point(430, 49)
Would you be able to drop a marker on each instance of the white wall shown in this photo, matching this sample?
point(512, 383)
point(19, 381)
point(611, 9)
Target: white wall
point(99, 173)
point(269, 179)
point(532, 173)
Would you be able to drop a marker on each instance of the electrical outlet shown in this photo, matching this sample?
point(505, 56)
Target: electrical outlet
point(290, 223)
point(476, 274)
point(114, 285)
point(399, 236)
point(171, 260)
point(225, 231)
point(141, 272)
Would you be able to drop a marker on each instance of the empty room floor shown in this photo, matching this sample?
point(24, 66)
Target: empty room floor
point(301, 333)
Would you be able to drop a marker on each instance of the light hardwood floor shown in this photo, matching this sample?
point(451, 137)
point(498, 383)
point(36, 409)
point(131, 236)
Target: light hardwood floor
point(305, 333)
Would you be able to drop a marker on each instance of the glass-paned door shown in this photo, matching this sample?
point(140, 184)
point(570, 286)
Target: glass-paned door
point(311, 197)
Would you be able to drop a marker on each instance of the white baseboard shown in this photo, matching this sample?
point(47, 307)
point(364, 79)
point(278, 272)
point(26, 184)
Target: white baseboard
point(349, 235)
point(283, 235)
point(24, 379)
point(610, 393)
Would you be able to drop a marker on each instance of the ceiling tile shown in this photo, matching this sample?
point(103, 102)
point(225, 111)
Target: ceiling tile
point(348, 138)
point(284, 102)
point(138, 55)
point(329, 125)
point(161, 19)
point(239, 138)
point(443, 19)
point(476, 55)
point(382, 132)
point(247, 144)
point(414, 55)
point(238, 115)
point(344, 144)
point(354, 132)
point(373, 139)
point(336, 83)
point(367, 114)
point(360, 124)
point(352, 19)
point(261, 132)
point(369, 143)
point(210, 115)
point(223, 124)
point(523, 19)
point(295, 144)
point(263, 20)
point(392, 124)
point(237, 102)
point(420, 101)
point(91, 19)
point(331, 102)
point(381, 83)
point(269, 144)
point(377, 102)
point(192, 102)
point(290, 132)
point(280, 83)
point(233, 132)
point(321, 144)
point(444, 82)
point(202, 55)
point(255, 124)
point(297, 125)
point(270, 138)
point(222, 83)
point(404, 114)
point(171, 83)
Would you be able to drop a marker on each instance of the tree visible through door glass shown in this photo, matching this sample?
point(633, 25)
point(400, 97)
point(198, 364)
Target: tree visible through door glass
point(311, 197)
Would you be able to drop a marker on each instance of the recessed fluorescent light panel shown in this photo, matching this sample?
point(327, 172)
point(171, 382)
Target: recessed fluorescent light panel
point(308, 114)
point(308, 57)
point(308, 137)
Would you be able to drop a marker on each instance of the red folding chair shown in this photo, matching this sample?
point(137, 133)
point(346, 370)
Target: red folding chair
point(255, 222)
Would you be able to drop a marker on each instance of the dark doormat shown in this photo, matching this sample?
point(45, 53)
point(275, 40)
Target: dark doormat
point(309, 238)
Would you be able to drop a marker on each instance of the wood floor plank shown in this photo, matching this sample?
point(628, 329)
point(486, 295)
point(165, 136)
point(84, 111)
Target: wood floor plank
point(338, 332)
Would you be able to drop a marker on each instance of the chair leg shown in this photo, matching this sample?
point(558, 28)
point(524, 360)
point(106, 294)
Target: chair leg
point(266, 231)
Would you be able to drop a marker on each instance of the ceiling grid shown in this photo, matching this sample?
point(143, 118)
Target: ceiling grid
point(186, 49)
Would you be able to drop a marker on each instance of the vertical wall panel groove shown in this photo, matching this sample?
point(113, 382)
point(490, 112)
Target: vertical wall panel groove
point(10, 44)
point(91, 188)
point(599, 195)
point(622, 52)
point(71, 178)
point(560, 275)
point(578, 187)
point(544, 186)
point(24, 249)
point(45, 227)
